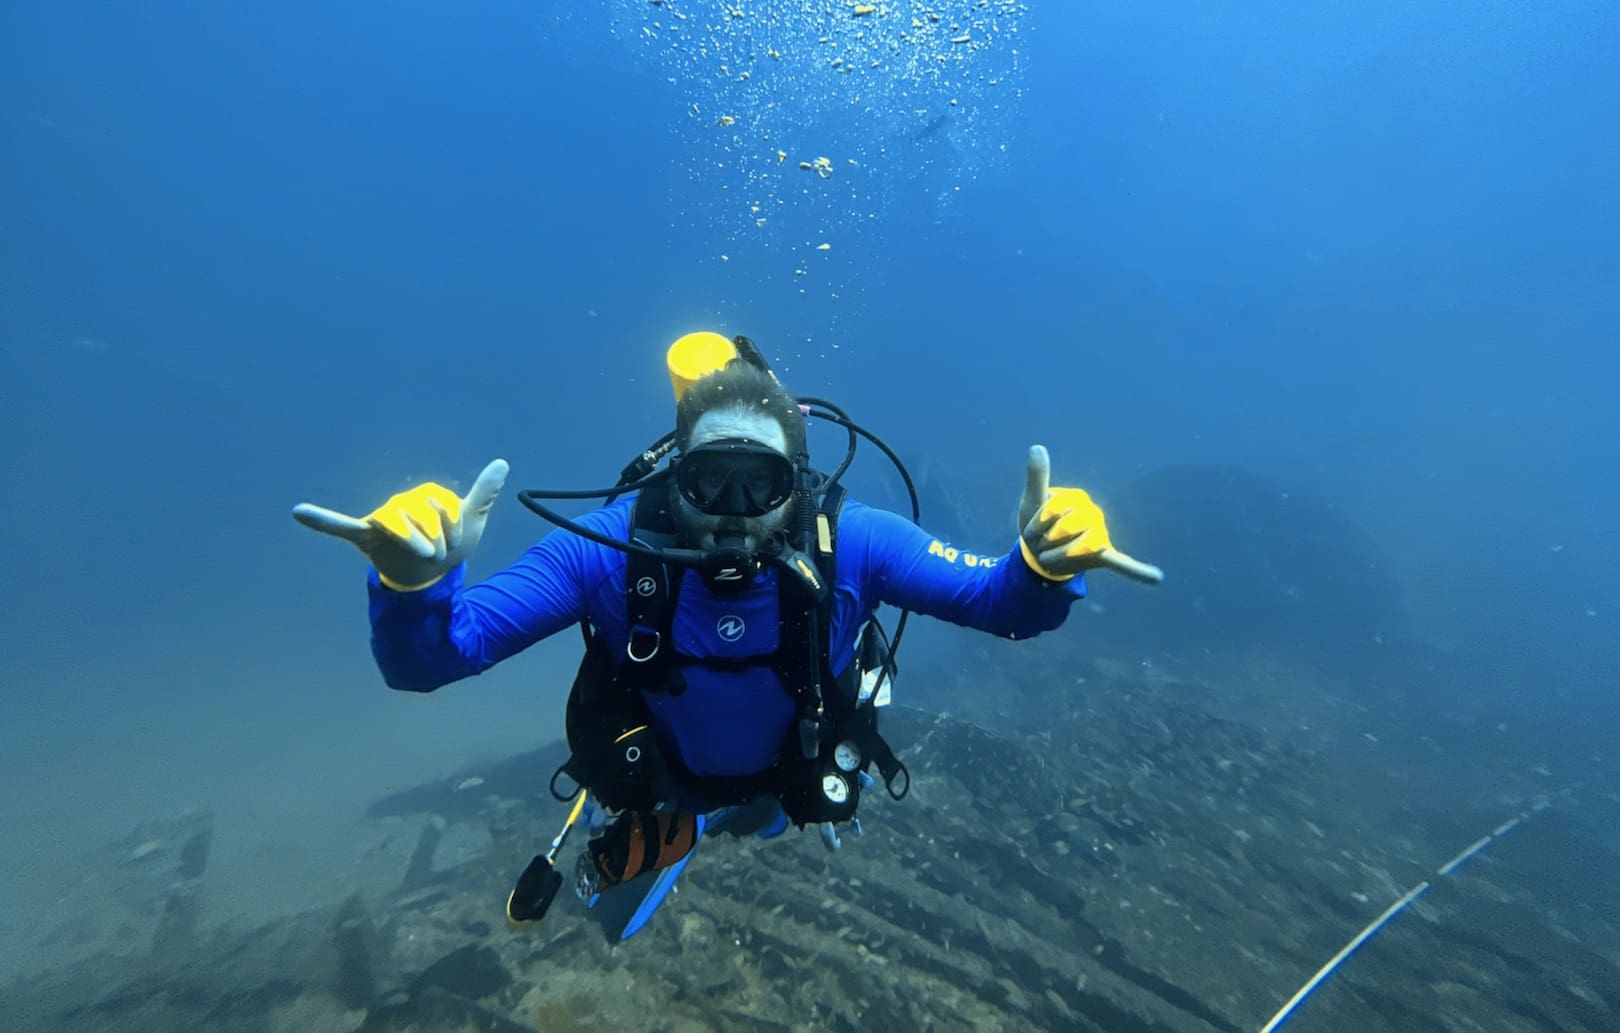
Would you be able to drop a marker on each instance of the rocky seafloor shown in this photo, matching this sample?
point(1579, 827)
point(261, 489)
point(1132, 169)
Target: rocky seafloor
point(1141, 853)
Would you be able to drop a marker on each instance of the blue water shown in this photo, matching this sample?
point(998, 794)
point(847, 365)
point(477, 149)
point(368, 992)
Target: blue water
point(258, 254)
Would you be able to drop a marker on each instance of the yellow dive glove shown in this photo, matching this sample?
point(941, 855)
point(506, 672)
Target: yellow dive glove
point(1063, 532)
point(417, 536)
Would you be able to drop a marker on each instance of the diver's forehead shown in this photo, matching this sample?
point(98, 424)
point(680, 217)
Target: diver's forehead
point(735, 423)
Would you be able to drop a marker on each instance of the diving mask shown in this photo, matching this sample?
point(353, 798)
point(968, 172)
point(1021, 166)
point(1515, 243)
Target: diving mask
point(734, 477)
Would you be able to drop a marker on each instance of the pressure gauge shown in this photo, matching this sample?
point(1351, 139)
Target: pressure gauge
point(835, 788)
point(847, 756)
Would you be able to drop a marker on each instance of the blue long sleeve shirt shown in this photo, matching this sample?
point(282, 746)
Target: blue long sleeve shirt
point(727, 722)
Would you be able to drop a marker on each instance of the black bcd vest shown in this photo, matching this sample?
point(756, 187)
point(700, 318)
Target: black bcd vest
point(615, 753)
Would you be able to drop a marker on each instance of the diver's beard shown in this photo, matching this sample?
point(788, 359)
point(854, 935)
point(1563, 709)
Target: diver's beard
point(699, 530)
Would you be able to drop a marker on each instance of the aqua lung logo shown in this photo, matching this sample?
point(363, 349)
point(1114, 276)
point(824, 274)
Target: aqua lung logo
point(646, 586)
point(730, 628)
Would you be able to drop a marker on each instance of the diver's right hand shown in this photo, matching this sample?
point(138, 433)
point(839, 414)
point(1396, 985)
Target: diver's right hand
point(417, 536)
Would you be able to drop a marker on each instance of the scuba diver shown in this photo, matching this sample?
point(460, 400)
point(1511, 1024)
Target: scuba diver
point(733, 664)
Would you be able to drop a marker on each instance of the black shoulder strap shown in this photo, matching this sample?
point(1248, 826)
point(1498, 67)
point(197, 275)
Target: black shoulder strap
point(827, 514)
point(831, 507)
point(651, 587)
point(806, 628)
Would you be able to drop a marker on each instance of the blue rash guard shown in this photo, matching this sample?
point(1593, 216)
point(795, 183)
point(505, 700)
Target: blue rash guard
point(727, 722)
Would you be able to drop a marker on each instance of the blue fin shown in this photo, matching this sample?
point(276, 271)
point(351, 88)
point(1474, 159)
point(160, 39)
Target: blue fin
point(761, 817)
point(778, 825)
point(662, 884)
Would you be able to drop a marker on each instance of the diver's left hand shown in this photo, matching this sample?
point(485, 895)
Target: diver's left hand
point(1063, 533)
